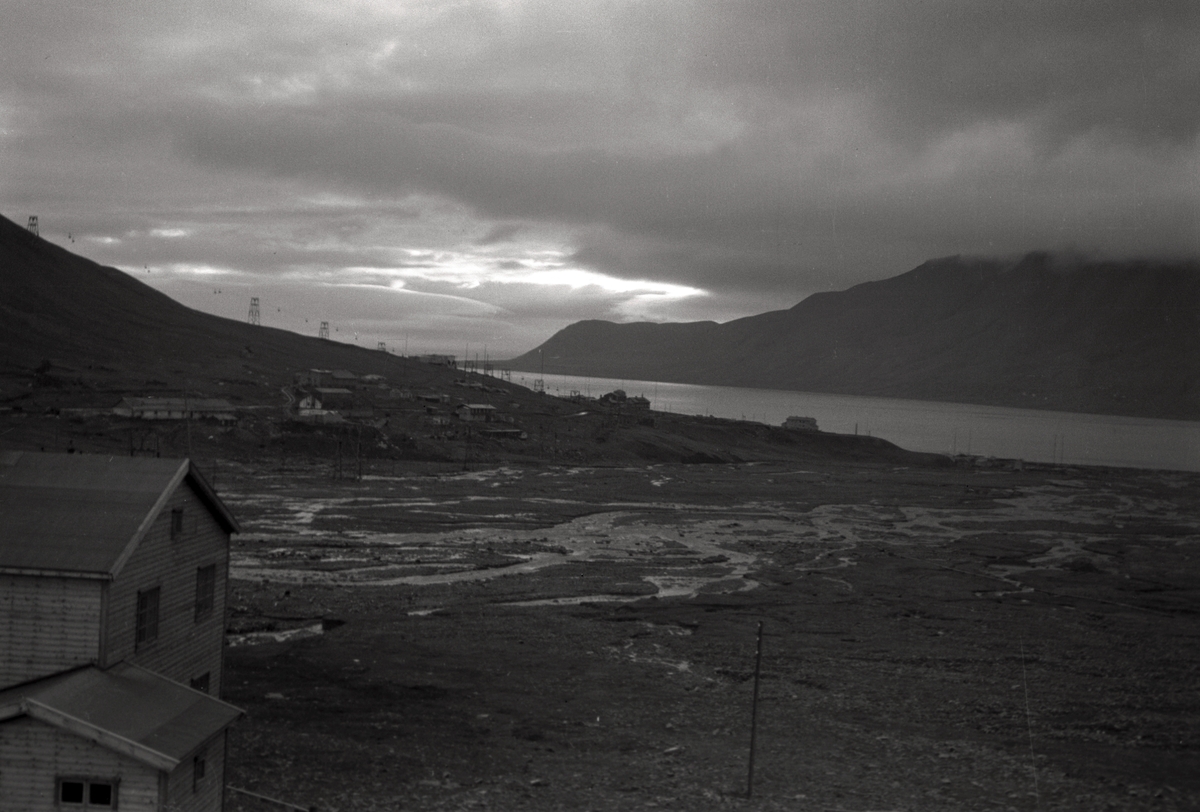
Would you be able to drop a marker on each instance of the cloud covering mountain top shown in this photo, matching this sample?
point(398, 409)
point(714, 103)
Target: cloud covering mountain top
point(490, 171)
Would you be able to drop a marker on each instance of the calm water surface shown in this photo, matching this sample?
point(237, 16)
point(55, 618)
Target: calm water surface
point(944, 428)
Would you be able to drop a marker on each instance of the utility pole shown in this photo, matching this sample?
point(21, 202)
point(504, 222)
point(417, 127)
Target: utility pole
point(754, 714)
point(187, 419)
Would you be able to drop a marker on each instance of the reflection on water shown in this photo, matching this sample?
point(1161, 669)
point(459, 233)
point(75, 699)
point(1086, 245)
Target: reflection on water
point(943, 428)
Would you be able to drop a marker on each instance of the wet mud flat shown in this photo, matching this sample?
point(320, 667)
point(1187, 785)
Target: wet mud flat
point(583, 638)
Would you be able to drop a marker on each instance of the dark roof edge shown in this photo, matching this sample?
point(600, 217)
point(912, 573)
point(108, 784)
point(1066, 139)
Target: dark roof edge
point(204, 694)
point(148, 520)
point(57, 675)
point(224, 516)
point(22, 705)
point(102, 736)
point(41, 572)
point(189, 471)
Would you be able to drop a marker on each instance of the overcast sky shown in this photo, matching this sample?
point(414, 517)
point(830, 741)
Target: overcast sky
point(488, 172)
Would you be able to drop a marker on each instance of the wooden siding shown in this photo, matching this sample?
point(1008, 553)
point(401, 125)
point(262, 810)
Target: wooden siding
point(184, 649)
point(33, 755)
point(209, 796)
point(47, 625)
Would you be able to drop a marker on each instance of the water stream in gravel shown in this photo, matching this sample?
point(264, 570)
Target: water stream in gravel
point(712, 550)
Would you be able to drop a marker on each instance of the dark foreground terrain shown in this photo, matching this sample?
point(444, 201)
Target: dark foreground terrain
point(935, 638)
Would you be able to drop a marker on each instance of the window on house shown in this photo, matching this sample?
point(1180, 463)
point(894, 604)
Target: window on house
point(71, 792)
point(206, 585)
point(176, 522)
point(147, 617)
point(200, 683)
point(198, 767)
point(87, 793)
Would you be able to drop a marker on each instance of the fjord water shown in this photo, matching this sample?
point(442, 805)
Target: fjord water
point(943, 428)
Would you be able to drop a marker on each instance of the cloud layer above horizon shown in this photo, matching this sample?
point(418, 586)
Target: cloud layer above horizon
point(438, 174)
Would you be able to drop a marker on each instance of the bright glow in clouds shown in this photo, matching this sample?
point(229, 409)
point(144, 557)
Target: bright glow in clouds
point(186, 270)
point(469, 273)
point(490, 171)
point(575, 279)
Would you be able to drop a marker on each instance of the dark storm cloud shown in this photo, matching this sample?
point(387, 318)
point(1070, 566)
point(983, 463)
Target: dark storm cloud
point(756, 150)
point(835, 112)
point(928, 66)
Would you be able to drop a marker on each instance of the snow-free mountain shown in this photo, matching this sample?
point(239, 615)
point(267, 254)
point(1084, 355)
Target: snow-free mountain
point(1043, 331)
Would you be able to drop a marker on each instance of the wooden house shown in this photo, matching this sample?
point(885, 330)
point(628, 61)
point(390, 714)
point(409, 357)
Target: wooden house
point(334, 397)
point(476, 412)
point(113, 576)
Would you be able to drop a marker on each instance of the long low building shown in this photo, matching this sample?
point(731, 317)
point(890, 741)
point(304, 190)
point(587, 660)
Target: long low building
point(176, 409)
point(801, 423)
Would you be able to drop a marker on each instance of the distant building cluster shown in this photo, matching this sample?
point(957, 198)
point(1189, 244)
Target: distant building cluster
point(332, 397)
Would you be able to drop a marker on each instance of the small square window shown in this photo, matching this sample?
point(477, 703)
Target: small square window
point(70, 792)
point(100, 794)
point(176, 522)
point(147, 617)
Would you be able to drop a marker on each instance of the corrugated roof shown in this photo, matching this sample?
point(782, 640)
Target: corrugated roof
point(158, 721)
point(81, 513)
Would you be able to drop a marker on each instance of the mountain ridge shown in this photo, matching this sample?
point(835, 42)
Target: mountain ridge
point(1042, 331)
point(62, 310)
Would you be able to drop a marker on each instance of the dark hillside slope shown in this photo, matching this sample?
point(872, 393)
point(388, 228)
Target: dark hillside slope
point(76, 335)
point(59, 307)
point(1042, 332)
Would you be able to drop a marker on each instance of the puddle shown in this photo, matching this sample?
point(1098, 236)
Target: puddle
point(576, 600)
point(255, 638)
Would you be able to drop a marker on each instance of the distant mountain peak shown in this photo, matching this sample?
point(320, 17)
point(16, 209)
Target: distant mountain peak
point(1052, 330)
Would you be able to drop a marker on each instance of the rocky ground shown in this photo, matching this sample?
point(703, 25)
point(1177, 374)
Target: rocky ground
point(553, 637)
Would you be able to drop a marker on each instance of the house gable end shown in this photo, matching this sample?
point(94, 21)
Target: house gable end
point(148, 520)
